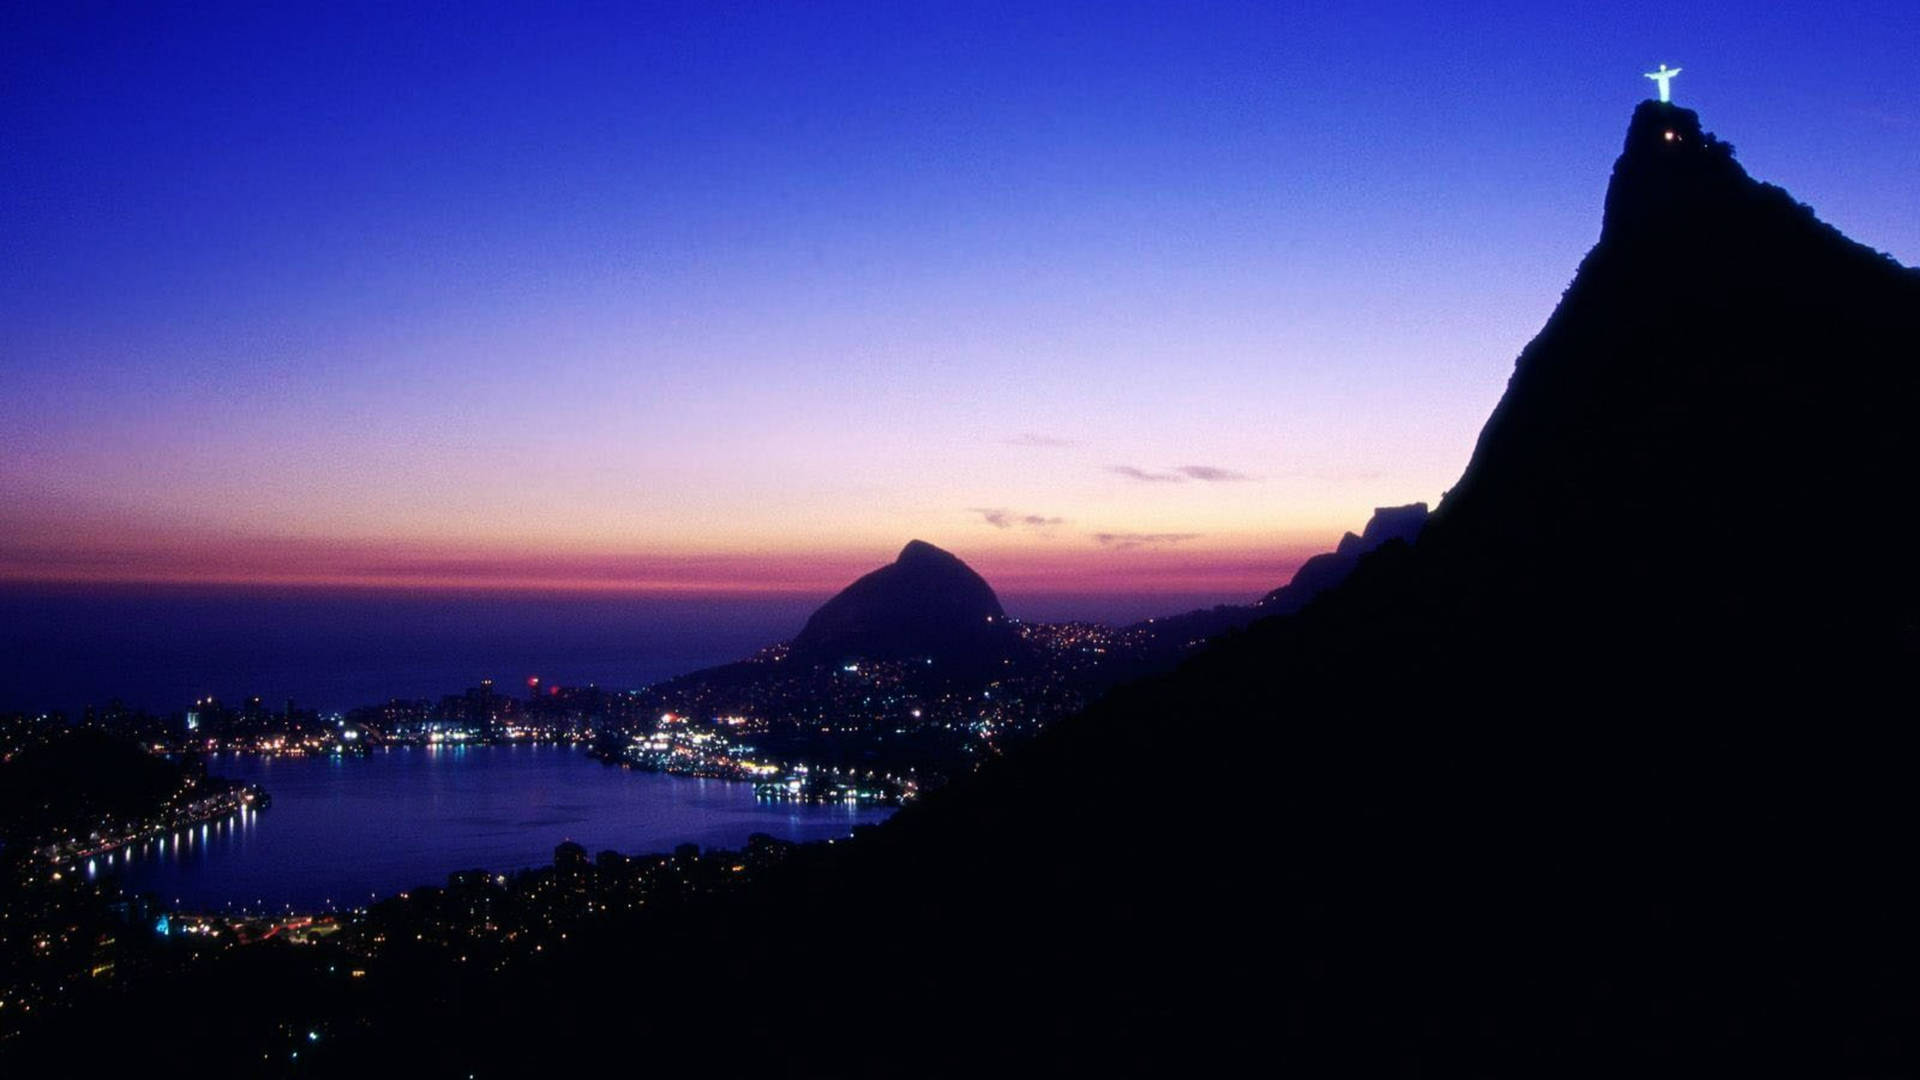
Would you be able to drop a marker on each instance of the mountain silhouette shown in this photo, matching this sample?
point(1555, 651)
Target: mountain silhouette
point(1726, 379)
point(926, 603)
point(1598, 776)
point(1324, 571)
point(1607, 773)
point(1168, 638)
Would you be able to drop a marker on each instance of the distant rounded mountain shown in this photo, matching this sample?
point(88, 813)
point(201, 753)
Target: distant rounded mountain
point(926, 603)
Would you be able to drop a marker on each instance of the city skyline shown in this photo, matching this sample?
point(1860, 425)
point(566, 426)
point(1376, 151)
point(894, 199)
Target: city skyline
point(1107, 300)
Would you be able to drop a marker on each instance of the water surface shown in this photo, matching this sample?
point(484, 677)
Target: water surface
point(162, 647)
point(342, 830)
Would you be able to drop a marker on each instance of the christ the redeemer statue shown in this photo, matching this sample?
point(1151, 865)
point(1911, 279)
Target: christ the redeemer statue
point(1663, 77)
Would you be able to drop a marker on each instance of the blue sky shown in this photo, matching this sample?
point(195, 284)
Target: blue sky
point(671, 283)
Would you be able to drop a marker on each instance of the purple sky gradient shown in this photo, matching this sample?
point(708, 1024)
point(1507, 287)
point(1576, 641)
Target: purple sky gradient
point(712, 295)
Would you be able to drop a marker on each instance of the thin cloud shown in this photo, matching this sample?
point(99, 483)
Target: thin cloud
point(1029, 438)
point(1211, 474)
point(1129, 541)
point(1007, 519)
point(1206, 474)
point(1132, 472)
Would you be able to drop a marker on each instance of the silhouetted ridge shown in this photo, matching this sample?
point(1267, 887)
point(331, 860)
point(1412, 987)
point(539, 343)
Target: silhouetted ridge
point(1588, 779)
point(1726, 379)
point(925, 603)
point(1168, 638)
point(1324, 571)
point(1668, 173)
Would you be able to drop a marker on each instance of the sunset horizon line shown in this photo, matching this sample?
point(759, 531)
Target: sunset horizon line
point(1157, 566)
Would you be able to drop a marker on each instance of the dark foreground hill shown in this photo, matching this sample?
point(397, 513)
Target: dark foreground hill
point(1608, 774)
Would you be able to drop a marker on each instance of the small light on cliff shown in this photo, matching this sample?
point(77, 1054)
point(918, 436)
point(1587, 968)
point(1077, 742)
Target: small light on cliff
point(1671, 136)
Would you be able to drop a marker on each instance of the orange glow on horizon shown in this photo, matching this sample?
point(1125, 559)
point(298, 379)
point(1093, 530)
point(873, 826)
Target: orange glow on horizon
point(1242, 569)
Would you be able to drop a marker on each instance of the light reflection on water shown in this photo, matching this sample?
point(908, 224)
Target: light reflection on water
point(344, 830)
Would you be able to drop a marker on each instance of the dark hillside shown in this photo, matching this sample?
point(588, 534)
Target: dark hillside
point(1608, 773)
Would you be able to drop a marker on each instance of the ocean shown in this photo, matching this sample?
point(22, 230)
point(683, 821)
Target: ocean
point(161, 647)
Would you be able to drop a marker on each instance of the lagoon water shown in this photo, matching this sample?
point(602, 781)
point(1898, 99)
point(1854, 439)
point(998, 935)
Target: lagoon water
point(343, 830)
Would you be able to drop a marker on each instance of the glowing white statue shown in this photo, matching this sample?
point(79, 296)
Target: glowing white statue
point(1663, 77)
